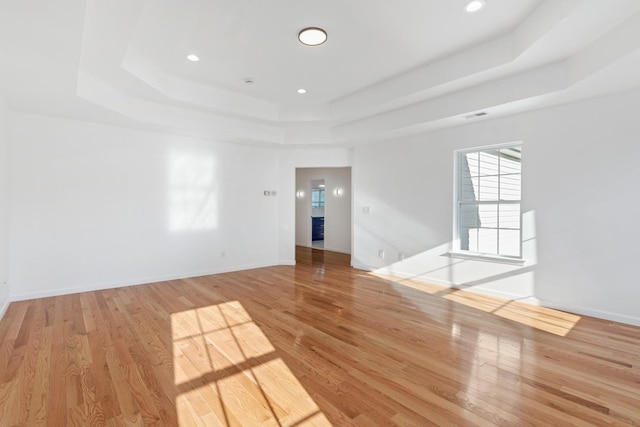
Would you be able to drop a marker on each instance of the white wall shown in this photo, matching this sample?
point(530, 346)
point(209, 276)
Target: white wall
point(97, 206)
point(4, 210)
point(290, 159)
point(337, 210)
point(581, 166)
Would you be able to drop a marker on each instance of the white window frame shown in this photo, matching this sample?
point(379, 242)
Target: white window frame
point(457, 252)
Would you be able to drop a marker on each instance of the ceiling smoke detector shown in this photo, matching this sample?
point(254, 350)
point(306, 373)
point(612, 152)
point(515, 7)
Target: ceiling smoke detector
point(475, 115)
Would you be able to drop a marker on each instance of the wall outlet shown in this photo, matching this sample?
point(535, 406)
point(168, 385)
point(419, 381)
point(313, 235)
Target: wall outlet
point(366, 210)
point(381, 253)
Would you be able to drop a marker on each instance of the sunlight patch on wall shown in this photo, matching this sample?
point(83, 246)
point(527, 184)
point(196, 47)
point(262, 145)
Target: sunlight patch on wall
point(230, 373)
point(193, 201)
point(435, 266)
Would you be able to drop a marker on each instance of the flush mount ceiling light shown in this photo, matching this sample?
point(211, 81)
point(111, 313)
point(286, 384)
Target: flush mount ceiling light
point(301, 91)
point(193, 58)
point(474, 6)
point(312, 36)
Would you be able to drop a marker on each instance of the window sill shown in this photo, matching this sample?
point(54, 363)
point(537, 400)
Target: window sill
point(487, 258)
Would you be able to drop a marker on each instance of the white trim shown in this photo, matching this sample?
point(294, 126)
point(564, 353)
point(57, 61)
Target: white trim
point(478, 289)
point(489, 147)
point(456, 190)
point(499, 294)
point(614, 317)
point(599, 314)
point(402, 275)
point(487, 258)
point(4, 308)
point(287, 262)
point(136, 282)
point(584, 311)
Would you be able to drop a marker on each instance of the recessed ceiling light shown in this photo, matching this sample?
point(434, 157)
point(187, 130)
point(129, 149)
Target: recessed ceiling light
point(312, 36)
point(474, 6)
point(248, 80)
point(193, 58)
point(302, 90)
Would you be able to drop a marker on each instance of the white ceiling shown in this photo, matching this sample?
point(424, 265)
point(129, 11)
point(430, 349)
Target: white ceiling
point(369, 41)
point(388, 69)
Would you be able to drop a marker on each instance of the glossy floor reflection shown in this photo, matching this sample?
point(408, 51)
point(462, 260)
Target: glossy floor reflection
point(316, 343)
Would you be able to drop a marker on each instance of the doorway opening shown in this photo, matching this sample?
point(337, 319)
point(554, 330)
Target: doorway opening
point(323, 209)
point(317, 213)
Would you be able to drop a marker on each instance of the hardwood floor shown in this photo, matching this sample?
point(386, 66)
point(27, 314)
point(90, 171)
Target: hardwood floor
point(315, 344)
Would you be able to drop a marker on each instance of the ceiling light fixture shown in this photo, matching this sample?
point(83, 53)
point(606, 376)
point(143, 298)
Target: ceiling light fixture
point(312, 36)
point(302, 91)
point(474, 6)
point(193, 58)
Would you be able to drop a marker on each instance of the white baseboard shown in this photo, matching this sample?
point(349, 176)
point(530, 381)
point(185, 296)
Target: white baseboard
point(585, 311)
point(135, 282)
point(614, 317)
point(475, 289)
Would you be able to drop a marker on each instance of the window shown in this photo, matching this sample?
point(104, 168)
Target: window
point(488, 196)
point(317, 198)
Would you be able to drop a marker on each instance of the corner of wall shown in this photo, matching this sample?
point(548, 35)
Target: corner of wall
point(4, 209)
point(3, 308)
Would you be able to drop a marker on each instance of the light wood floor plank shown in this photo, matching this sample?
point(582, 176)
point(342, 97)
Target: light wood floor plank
point(312, 345)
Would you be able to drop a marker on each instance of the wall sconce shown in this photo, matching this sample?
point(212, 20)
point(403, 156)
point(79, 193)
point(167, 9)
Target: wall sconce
point(299, 194)
point(338, 192)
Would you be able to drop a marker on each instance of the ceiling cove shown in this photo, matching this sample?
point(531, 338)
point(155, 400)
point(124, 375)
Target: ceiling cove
point(383, 72)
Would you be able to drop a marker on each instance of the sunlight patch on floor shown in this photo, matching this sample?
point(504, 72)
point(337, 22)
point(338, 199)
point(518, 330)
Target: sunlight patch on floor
point(542, 318)
point(229, 373)
point(419, 285)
